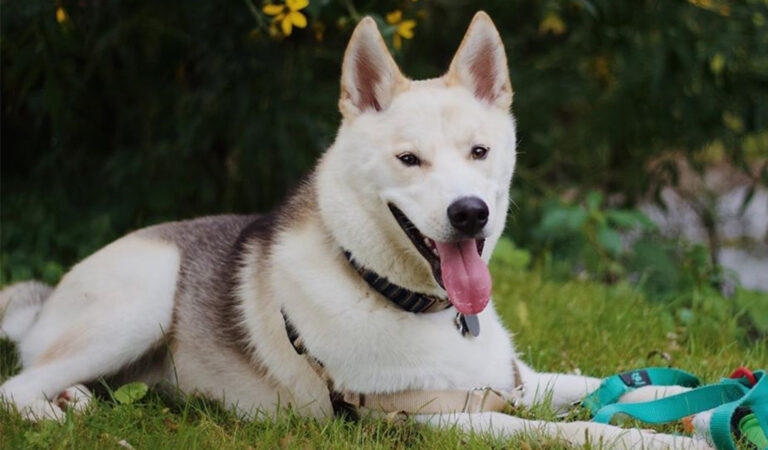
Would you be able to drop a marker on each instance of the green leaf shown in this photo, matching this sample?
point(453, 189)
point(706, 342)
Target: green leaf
point(131, 392)
point(568, 218)
point(610, 240)
point(52, 272)
point(628, 219)
point(756, 306)
point(594, 200)
point(510, 257)
point(686, 315)
point(588, 6)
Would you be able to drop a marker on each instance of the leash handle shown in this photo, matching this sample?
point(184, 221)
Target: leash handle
point(739, 406)
point(612, 388)
point(675, 407)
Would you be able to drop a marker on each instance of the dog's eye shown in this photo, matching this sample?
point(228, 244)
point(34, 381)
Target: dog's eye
point(409, 159)
point(479, 152)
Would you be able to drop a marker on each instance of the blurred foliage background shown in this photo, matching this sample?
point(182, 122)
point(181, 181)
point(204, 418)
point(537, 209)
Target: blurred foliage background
point(118, 114)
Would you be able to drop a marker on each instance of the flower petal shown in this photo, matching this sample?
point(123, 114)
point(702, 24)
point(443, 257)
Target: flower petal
point(298, 19)
point(394, 17)
point(273, 10)
point(286, 26)
point(552, 23)
point(405, 29)
point(295, 5)
point(61, 15)
point(397, 41)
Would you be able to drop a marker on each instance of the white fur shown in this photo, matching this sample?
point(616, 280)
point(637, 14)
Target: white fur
point(103, 315)
point(22, 302)
point(575, 433)
point(116, 304)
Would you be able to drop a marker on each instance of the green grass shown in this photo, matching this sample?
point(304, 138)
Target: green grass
point(572, 326)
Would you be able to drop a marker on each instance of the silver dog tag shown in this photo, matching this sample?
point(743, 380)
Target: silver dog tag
point(468, 324)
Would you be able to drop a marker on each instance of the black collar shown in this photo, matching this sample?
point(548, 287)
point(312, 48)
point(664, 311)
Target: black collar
point(413, 301)
point(405, 299)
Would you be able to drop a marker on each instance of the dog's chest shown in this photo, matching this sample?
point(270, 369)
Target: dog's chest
point(369, 345)
point(388, 350)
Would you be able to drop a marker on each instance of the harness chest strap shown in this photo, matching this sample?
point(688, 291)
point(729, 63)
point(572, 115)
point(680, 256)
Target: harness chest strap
point(475, 400)
point(434, 402)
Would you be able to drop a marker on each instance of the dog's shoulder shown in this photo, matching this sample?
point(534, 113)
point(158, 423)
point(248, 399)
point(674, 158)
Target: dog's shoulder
point(207, 234)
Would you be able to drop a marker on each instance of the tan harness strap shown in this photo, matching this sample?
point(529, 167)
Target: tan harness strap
point(431, 402)
point(435, 402)
point(482, 399)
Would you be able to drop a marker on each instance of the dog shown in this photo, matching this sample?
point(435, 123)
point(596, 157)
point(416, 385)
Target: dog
point(367, 291)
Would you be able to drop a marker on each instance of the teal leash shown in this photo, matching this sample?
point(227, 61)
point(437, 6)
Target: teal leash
point(612, 388)
point(756, 400)
point(744, 398)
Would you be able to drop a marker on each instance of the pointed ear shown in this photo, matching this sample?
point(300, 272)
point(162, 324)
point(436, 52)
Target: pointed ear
point(480, 63)
point(370, 77)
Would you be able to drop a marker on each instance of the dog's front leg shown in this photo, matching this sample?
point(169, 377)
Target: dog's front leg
point(564, 390)
point(561, 390)
point(576, 433)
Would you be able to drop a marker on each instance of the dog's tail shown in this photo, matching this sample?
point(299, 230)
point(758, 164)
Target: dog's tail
point(20, 304)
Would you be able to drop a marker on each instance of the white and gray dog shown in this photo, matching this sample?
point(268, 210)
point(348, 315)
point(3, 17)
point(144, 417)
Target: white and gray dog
point(367, 291)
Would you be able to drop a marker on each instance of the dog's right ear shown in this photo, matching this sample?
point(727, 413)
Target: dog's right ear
point(370, 77)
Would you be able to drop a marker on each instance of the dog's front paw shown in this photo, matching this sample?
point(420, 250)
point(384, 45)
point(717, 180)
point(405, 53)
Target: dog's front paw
point(40, 409)
point(75, 398)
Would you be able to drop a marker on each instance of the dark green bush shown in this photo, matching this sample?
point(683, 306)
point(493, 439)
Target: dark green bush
point(123, 113)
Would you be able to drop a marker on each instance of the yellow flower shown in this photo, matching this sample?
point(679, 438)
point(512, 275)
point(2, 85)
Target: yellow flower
point(717, 63)
point(288, 15)
point(61, 15)
point(601, 68)
point(733, 122)
point(403, 30)
point(701, 3)
point(552, 23)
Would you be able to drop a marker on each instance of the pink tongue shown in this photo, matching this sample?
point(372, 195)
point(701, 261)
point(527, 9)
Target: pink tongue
point(465, 275)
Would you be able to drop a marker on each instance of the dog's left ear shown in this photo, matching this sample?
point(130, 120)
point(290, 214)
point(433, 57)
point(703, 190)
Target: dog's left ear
point(370, 77)
point(480, 63)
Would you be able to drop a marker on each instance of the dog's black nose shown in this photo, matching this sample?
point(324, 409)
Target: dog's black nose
point(468, 215)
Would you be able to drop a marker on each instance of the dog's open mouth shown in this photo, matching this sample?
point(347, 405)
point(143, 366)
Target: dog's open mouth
point(456, 265)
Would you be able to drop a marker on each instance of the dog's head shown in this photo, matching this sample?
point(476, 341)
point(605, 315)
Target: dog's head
point(416, 184)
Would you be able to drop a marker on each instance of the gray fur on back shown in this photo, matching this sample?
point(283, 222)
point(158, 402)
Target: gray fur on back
point(212, 252)
point(205, 306)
